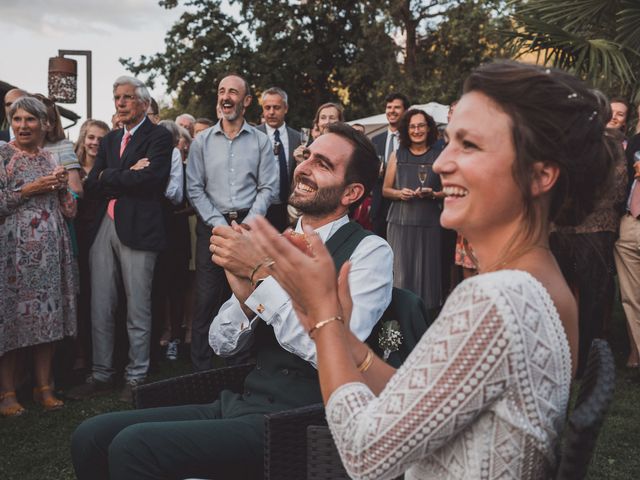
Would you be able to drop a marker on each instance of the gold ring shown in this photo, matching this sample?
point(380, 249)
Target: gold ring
point(269, 262)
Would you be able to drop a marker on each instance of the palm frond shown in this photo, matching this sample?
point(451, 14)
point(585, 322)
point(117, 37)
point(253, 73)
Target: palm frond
point(628, 25)
point(600, 60)
point(571, 14)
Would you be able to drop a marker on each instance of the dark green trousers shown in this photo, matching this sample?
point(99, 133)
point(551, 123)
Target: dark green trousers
point(169, 443)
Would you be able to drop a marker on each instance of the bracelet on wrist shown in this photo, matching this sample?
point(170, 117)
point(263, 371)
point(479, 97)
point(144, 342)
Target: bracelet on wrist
point(366, 363)
point(322, 323)
point(267, 262)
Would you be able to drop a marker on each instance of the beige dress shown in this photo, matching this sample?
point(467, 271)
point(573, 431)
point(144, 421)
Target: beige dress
point(482, 396)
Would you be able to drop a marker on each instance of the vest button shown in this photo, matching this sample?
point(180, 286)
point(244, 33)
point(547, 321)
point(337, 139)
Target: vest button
point(285, 371)
point(247, 393)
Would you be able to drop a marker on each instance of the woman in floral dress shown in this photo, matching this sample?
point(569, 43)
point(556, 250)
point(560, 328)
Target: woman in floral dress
point(37, 298)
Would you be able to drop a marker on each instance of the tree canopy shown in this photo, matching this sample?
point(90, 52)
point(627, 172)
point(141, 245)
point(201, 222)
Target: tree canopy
point(350, 51)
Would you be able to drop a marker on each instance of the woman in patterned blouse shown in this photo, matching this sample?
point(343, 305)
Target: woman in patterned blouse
point(484, 393)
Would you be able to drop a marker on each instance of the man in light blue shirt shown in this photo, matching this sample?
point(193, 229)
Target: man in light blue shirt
point(231, 175)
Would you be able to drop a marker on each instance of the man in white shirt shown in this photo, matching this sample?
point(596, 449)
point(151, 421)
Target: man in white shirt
point(325, 188)
point(226, 437)
point(284, 140)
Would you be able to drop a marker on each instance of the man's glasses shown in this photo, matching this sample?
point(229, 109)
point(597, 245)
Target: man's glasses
point(420, 126)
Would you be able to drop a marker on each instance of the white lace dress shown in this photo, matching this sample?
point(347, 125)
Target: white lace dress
point(482, 396)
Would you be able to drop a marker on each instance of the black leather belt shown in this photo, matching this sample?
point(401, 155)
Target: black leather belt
point(238, 216)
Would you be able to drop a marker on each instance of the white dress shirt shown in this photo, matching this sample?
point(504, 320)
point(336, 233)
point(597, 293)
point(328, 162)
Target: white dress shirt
point(391, 137)
point(175, 186)
point(370, 280)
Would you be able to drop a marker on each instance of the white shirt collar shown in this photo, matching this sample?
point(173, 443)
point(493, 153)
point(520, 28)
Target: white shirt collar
point(133, 130)
point(326, 231)
point(270, 130)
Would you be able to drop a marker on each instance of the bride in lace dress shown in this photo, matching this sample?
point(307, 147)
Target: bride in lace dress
point(484, 394)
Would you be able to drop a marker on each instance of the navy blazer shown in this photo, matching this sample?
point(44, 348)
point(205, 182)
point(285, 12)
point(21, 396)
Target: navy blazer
point(379, 204)
point(139, 211)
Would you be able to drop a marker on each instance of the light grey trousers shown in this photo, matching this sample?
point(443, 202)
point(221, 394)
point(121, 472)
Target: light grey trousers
point(111, 262)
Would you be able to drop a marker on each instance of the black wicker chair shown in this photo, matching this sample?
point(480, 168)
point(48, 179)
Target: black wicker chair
point(592, 404)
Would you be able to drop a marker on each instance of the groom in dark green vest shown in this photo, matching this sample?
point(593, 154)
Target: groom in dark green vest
point(225, 438)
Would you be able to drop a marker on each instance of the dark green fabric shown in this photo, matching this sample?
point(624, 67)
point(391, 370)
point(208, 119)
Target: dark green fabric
point(281, 379)
point(169, 442)
point(413, 318)
point(343, 243)
point(406, 308)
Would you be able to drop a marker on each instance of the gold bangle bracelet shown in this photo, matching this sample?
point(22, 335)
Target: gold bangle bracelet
point(322, 323)
point(366, 363)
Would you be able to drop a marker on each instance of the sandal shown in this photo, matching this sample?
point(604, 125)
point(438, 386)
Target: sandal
point(49, 403)
point(12, 410)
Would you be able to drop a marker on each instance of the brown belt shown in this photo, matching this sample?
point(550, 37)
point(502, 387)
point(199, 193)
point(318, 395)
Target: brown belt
point(237, 215)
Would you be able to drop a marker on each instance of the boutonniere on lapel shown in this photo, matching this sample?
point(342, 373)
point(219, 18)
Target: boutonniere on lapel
point(390, 338)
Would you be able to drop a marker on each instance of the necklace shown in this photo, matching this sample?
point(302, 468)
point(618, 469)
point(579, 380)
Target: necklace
point(516, 255)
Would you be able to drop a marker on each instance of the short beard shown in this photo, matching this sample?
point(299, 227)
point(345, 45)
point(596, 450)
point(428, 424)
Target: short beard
point(326, 201)
point(231, 117)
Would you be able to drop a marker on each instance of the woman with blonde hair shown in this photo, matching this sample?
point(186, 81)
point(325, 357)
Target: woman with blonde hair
point(55, 141)
point(86, 149)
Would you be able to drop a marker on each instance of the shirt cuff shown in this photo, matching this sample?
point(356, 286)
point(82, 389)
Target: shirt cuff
point(267, 300)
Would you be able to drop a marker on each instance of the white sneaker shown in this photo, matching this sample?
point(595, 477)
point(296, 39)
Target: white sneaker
point(172, 349)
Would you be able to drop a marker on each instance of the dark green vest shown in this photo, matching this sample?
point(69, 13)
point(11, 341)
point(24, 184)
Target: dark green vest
point(281, 380)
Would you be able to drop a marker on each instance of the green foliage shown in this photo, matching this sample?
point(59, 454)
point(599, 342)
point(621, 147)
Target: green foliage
point(597, 39)
point(334, 50)
point(199, 49)
point(468, 36)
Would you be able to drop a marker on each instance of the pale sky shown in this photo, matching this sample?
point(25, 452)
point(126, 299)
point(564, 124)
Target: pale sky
point(34, 30)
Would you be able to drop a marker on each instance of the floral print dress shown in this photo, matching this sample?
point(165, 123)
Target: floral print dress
point(37, 295)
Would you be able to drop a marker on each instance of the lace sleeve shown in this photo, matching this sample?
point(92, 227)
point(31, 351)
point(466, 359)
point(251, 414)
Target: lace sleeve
point(459, 368)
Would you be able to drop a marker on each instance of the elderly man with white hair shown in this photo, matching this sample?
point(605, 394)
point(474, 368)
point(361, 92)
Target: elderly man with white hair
point(128, 180)
point(186, 121)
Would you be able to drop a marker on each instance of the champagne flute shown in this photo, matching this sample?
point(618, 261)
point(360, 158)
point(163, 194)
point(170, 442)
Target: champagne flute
point(422, 174)
point(304, 136)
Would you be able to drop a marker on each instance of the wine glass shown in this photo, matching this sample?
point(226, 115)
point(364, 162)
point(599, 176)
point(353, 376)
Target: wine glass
point(304, 136)
point(423, 169)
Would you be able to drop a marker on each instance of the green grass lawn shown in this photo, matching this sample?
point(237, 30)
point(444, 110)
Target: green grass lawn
point(36, 445)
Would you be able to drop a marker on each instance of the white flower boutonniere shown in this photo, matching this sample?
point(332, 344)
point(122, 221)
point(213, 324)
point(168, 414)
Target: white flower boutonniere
point(390, 338)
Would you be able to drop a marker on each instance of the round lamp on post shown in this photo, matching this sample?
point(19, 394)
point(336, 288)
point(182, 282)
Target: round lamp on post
point(63, 79)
